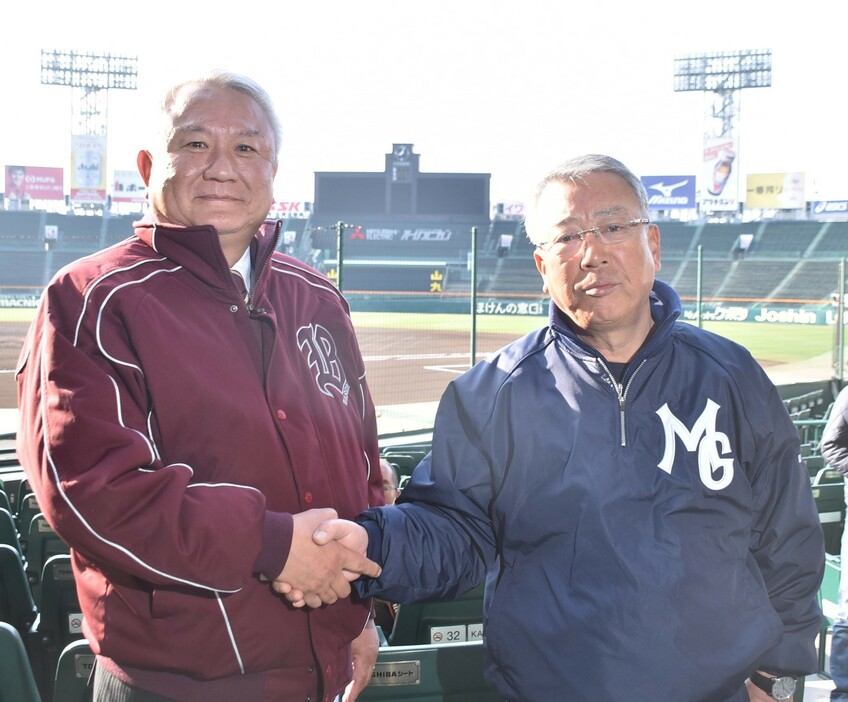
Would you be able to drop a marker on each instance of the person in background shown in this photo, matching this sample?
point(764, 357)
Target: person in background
point(16, 183)
point(385, 612)
point(193, 403)
point(834, 449)
point(628, 485)
point(390, 481)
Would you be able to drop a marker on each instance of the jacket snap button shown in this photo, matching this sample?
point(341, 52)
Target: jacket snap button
point(233, 308)
point(307, 497)
point(281, 415)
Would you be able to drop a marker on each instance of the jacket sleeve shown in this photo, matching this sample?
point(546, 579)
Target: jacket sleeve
point(438, 540)
point(834, 443)
point(87, 447)
point(787, 540)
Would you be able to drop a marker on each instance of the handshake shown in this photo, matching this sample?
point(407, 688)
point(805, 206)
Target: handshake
point(327, 554)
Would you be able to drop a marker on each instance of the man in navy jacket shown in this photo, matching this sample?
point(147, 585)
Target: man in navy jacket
point(628, 485)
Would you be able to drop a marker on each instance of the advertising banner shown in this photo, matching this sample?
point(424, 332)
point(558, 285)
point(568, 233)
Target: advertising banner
point(290, 209)
point(670, 192)
point(775, 191)
point(829, 207)
point(88, 170)
point(128, 187)
point(719, 179)
point(34, 183)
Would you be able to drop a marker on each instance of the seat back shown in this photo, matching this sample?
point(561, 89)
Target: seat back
point(438, 673)
point(27, 509)
point(61, 616)
point(43, 543)
point(443, 621)
point(9, 531)
point(76, 662)
point(16, 604)
point(830, 502)
point(17, 683)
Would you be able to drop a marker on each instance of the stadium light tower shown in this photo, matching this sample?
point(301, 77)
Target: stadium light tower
point(723, 74)
point(91, 76)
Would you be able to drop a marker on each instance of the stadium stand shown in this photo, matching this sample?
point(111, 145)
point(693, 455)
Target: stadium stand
point(786, 260)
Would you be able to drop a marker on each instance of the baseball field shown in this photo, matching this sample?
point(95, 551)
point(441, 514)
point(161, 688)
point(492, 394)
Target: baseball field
point(410, 357)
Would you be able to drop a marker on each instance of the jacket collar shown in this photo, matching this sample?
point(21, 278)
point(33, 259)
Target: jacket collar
point(665, 309)
point(198, 250)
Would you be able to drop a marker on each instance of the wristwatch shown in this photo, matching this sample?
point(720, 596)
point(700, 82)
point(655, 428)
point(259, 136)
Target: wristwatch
point(780, 688)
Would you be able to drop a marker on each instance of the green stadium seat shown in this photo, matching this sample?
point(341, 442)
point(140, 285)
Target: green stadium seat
point(830, 502)
point(443, 621)
point(9, 531)
point(829, 602)
point(814, 464)
point(27, 509)
point(76, 663)
point(43, 543)
point(828, 476)
point(22, 491)
point(438, 673)
point(17, 682)
point(16, 604)
point(60, 618)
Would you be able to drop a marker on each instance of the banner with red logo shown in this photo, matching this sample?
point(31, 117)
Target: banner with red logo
point(34, 183)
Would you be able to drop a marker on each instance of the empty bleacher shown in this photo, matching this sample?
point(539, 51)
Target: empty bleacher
point(785, 239)
point(787, 260)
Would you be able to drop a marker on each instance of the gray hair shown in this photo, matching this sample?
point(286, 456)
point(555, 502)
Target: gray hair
point(233, 81)
point(576, 169)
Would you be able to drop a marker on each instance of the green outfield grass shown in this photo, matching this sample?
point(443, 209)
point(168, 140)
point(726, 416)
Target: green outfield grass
point(16, 314)
point(781, 343)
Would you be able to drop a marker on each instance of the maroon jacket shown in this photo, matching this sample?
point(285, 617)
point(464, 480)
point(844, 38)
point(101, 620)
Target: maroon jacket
point(169, 432)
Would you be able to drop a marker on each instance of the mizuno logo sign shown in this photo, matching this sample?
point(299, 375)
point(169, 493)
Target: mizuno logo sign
point(667, 190)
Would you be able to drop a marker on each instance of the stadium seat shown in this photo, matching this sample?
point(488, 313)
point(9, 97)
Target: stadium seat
point(830, 502)
point(60, 619)
point(828, 476)
point(43, 543)
point(9, 531)
point(443, 621)
point(16, 604)
point(27, 509)
point(814, 464)
point(76, 663)
point(17, 682)
point(829, 602)
point(438, 673)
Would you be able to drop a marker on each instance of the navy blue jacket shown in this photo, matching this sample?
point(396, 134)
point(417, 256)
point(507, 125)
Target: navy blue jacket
point(654, 539)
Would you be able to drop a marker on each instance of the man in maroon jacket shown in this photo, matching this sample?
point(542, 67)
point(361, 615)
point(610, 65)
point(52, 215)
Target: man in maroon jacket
point(193, 404)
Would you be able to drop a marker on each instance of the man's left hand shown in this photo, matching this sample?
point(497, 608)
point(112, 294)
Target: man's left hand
point(364, 651)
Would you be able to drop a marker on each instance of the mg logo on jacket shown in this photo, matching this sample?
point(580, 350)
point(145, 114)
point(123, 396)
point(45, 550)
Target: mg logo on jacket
point(715, 464)
point(319, 347)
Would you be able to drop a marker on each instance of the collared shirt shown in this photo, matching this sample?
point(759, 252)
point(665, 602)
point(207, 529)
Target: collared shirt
point(244, 268)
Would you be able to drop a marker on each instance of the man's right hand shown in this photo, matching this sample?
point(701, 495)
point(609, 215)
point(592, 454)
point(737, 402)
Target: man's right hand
point(321, 573)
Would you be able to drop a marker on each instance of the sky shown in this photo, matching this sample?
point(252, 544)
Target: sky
point(507, 87)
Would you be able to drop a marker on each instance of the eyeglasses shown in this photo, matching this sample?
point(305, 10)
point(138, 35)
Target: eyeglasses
point(611, 233)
